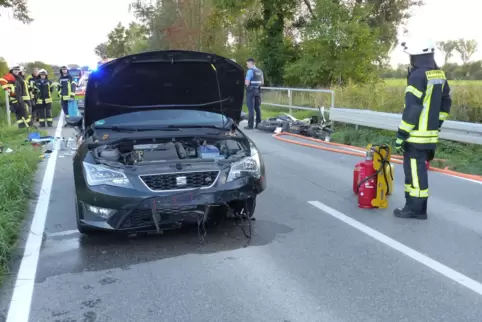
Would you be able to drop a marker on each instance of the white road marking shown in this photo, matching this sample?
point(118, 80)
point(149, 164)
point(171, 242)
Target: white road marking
point(466, 179)
point(62, 233)
point(21, 301)
point(419, 257)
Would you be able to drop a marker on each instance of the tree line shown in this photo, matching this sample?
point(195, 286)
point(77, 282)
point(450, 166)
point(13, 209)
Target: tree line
point(308, 43)
point(463, 48)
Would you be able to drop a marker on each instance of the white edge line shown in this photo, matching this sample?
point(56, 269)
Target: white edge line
point(19, 309)
point(419, 257)
point(466, 179)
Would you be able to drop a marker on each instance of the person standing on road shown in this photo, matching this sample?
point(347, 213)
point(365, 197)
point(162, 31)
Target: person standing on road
point(427, 105)
point(13, 85)
point(254, 80)
point(31, 80)
point(66, 89)
point(44, 89)
point(27, 98)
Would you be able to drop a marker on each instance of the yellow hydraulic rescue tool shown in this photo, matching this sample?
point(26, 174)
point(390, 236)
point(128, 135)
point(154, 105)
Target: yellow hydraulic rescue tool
point(385, 171)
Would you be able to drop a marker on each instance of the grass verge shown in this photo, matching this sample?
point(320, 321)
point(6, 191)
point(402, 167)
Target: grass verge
point(17, 172)
point(460, 157)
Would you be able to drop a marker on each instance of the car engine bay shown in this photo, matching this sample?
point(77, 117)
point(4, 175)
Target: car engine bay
point(136, 153)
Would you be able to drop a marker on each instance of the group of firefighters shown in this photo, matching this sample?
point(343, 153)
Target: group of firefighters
point(30, 97)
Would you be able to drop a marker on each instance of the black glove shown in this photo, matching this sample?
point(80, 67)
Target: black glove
point(431, 155)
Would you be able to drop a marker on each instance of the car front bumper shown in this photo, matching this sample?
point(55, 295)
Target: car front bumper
point(156, 213)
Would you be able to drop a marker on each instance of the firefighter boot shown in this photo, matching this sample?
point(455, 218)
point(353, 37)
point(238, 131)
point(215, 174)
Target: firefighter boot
point(407, 197)
point(416, 208)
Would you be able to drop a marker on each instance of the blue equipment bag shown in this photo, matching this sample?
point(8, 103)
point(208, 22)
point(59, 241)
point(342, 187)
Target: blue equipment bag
point(73, 108)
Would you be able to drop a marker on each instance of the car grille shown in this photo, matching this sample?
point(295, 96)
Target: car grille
point(142, 218)
point(181, 180)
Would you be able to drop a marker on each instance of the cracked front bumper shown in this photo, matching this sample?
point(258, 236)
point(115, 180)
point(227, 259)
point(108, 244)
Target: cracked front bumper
point(154, 213)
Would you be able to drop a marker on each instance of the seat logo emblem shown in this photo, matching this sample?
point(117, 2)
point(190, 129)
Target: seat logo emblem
point(181, 181)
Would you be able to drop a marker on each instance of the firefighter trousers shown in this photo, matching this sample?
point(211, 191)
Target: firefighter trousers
point(21, 113)
point(44, 111)
point(416, 177)
point(28, 106)
point(65, 107)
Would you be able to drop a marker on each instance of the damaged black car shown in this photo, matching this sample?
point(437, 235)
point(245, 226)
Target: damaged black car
point(160, 146)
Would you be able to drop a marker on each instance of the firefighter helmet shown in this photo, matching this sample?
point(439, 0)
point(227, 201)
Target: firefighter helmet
point(418, 47)
point(43, 72)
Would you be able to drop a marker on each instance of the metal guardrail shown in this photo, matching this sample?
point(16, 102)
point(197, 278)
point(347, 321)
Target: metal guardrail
point(290, 91)
point(451, 130)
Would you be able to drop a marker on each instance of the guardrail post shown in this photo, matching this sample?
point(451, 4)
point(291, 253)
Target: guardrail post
point(290, 100)
point(7, 106)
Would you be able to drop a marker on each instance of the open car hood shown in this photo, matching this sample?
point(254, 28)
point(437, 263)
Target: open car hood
point(159, 80)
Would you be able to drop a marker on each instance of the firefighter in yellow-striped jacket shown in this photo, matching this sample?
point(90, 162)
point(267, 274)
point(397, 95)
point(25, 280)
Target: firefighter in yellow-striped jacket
point(66, 89)
point(31, 79)
point(43, 92)
point(427, 106)
point(12, 84)
point(27, 97)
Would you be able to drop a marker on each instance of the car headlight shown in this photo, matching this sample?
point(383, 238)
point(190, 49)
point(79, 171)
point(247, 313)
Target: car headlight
point(97, 174)
point(250, 166)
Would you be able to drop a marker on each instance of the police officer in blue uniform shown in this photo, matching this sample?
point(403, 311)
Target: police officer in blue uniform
point(254, 80)
point(427, 105)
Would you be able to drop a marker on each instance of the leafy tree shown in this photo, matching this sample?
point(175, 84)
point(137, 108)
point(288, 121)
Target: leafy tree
point(40, 65)
point(339, 46)
point(19, 9)
point(3, 67)
point(117, 42)
point(386, 16)
point(447, 47)
point(466, 49)
point(101, 50)
point(122, 41)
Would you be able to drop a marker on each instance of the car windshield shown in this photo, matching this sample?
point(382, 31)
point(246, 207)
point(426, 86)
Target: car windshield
point(165, 118)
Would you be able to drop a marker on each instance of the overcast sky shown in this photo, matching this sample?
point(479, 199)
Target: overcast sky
point(67, 31)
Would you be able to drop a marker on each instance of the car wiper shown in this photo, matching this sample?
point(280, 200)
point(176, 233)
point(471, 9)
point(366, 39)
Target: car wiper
point(195, 126)
point(117, 128)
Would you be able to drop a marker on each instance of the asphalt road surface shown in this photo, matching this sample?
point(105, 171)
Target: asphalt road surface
point(314, 256)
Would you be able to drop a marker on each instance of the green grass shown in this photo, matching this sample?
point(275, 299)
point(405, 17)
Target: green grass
point(17, 172)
